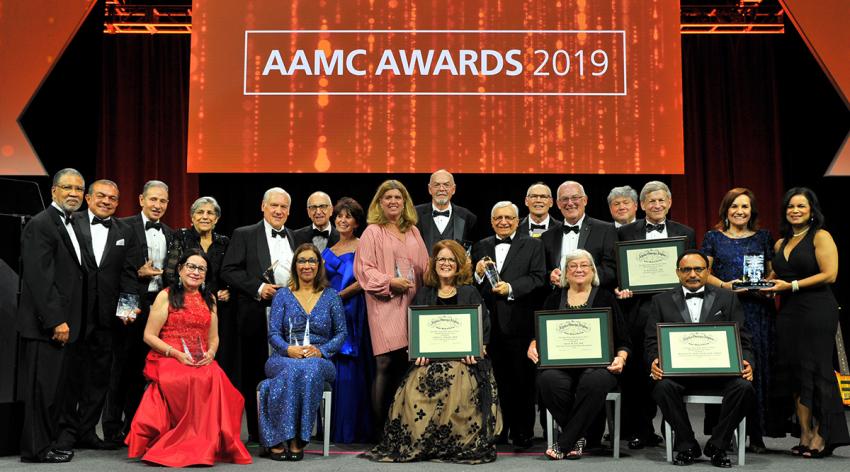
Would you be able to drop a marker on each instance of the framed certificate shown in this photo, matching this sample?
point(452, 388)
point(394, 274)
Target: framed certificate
point(574, 338)
point(699, 349)
point(444, 331)
point(648, 266)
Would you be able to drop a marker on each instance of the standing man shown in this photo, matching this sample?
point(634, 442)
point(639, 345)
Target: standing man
point(440, 219)
point(580, 231)
point(696, 302)
point(520, 263)
point(622, 202)
point(127, 383)
point(538, 200)
point(256, 264)
point(49, 316)
point(106, 245)
point(655, 200)
point(321, 233)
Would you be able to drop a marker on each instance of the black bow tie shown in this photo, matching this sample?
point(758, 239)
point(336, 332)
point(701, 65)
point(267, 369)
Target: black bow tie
point(281, 233)
point(107, 223)
point(437, 213)
point(324, 234)
point(688, 296)
point(534, 226)
point(568, 229)
point(66, 219)
point(651, 227)
point(150, 224)
point(503, 241)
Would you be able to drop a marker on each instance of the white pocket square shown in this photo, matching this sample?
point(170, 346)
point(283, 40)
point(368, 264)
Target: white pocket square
point(120, 242)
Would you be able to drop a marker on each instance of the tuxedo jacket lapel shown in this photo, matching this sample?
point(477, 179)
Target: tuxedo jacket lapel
point(111, 239)
point(707, 305)
point(516, 246)
point(84, 231)
point(459, 226)
point(263, 254)
point(679, 300)
point(66, 238)
point(586, 228)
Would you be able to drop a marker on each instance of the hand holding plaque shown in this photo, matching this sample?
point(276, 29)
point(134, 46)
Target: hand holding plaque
point(753, 278)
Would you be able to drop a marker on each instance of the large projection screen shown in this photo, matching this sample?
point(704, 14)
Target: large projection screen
point(477, 86)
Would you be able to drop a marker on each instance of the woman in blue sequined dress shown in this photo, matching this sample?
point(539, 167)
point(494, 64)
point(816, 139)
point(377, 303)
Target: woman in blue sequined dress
point(306, 329)
point(351, 418)
point(735, 236)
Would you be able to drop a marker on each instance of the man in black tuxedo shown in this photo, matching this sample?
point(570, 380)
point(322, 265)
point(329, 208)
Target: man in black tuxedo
point(107, 246)
point(321, 232)
point(538, 200)
point(129, 349)
point(696, 302)
point(622, 203)
point(580, 231)
point(441, 219)
point(655, 200)
point(519, 261)
point(49, 316)
point(257, 263)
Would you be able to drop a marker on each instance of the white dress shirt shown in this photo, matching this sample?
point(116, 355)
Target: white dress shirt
point(70, 229)
point(319, 241)
point(569, 241)
point(442, 221)
point(656, 234)
point(694, 304)
point(280, 252)
point(535, 233)
point(157, 248)
point(99, 234)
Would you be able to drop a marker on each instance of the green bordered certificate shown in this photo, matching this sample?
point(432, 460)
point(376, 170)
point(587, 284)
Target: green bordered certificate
point(445, 331)
point(648, 266)
point(699, 349)
point(574, 338)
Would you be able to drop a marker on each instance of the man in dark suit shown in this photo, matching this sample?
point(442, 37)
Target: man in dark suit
point(49, 316)
point(519, 261)
point(580, 231)
point(441, 219)
point(655, 200)
point(696, 302)
point(129, 349)
point(538, 200)
point(622, 203)
point(257, 263)
point(321, 232)
point(106, 245)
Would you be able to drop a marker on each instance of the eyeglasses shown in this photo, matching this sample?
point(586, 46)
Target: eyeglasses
point(195, 268)
point(68, 188)
point(572, 198)
point(687, 270)
point(323, 207)
point(307, 261)
point(538, 196)
point(584, 266)
point(504, 218)
point(446, 260)
point(441, 185)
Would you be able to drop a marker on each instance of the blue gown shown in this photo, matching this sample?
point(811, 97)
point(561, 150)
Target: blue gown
point(351, 418)
point(290, 396)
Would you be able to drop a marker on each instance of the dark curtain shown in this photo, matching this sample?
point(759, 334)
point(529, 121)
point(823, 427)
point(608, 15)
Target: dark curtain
point(145, 103)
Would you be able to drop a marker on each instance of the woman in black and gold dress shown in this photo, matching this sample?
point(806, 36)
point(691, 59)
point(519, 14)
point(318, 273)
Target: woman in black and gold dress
point(423, 420)
point(805, 265)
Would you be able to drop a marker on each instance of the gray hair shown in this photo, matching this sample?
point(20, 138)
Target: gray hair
point(538, 184)
point(622, 192)
point(66, 171)
point(154, 183)
point(654, 186)
point(321, 194)
point(205, 201)
point(573, 182)
point(101, 182)
point(574, 255)
point(504, 204)
point(273, 191)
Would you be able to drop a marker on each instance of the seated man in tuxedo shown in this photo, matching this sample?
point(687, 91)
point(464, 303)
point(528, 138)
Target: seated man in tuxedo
point(622, 203)
point(321, 232)
point(580, 231)
point(696, 302)
point(538, 200)
point(441, 219)
point(519, 261)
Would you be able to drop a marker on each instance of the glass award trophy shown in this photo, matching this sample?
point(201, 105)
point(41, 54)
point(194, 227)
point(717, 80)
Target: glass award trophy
point(753, 274)
point(404, 269)
point(127, 305)
point(268, 275)
point(491, 272)
point(194, 349)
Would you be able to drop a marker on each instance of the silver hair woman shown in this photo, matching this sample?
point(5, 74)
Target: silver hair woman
point(577, 255)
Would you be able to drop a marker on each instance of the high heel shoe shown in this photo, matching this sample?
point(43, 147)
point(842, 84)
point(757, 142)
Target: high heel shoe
point(817, 454)
point(296, 456)
point(799, 450)
point(577, 450)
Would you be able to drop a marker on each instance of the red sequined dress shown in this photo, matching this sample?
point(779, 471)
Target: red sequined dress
point(188, 415)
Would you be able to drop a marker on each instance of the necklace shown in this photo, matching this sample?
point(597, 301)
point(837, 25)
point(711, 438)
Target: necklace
point(299, 296)
point(447, 293)
point(802, 232)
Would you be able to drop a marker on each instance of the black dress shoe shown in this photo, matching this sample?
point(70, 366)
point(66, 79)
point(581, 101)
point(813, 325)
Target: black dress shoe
point(718, 456)
point(684, 458)
point(64, 450)
point(637, 442)
point(50, 457)
point(522, 443)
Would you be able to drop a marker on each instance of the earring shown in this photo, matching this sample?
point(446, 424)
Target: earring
point(203, 285)
point(179, 283)
point(726, 223)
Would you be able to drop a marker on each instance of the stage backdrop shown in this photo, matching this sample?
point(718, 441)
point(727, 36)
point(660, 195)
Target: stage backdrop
point(476, 86)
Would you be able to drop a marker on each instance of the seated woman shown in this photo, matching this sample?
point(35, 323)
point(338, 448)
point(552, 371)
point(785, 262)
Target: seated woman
point(445, 410)
point(190, 413)
point(575, 397)
point(307, 328)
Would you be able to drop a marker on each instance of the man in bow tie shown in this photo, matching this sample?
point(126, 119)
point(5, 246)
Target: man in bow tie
point(441, 219)
point(622, 203)
point(257, 263)
point(580, 231)
point(321, 232)
point(519, 261)
point(127, 383)
point(538, 200)
point(695, 302)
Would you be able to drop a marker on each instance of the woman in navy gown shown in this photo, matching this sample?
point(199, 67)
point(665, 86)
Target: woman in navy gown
point(306, 329)
point(351, 418)
point(735, 236)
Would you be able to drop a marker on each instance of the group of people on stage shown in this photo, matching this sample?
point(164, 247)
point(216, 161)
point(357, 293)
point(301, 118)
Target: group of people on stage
point(267, 320)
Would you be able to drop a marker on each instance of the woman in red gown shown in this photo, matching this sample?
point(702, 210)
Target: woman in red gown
point(190, 413)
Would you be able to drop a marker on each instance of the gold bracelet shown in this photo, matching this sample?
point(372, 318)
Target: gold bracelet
point(168, 352)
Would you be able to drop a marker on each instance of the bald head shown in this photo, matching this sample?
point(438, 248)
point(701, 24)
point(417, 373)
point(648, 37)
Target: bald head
point(441, 187)
point(319, 209)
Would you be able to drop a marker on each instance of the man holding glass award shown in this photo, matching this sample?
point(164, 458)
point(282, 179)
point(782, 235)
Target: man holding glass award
point(696, 340)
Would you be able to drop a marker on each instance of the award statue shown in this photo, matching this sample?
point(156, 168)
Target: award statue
point(753, 275)
point(491, 272)
point(268, 274)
